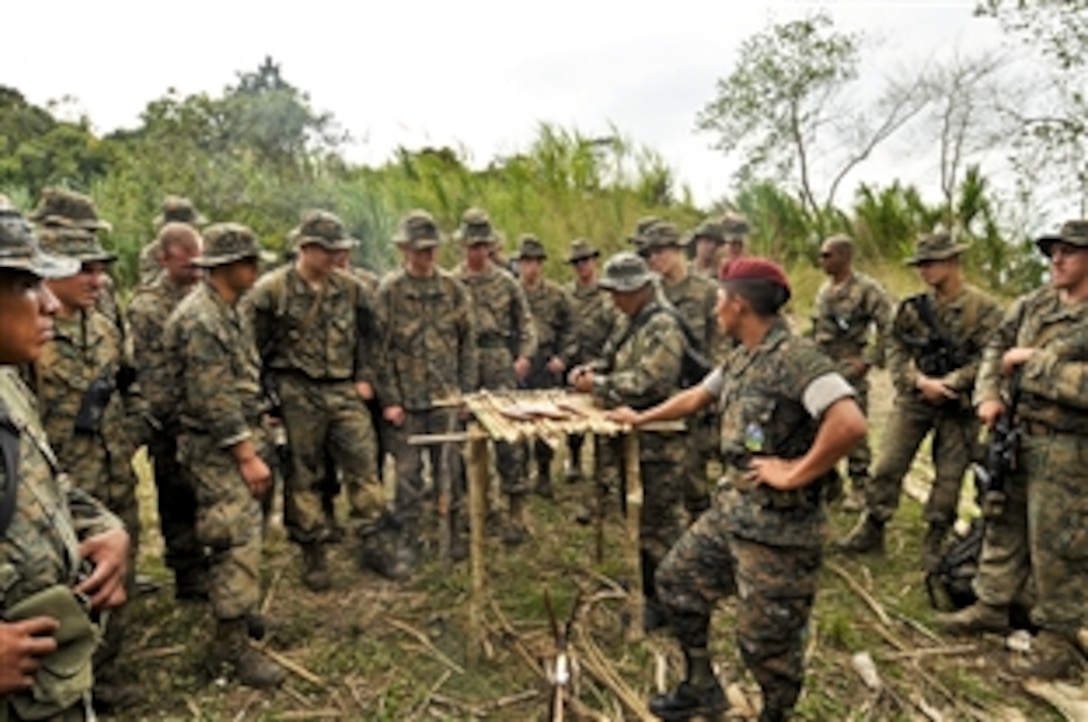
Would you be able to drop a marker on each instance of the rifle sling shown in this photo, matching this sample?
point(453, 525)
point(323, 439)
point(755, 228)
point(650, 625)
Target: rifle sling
point(9, 450)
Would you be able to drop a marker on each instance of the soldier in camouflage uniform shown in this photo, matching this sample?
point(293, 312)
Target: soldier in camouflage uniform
point(1039, 539)
point(314, 330)
point(640, 368)
point(150, 307)
point(694, 296)
point(787, 418)
point(94, 421)
point(175, 209)
point(706, 249)
point(52, 527)
point(224, 444)
point(428, 353)
point(934, 351)
point(849, 304)
point(506, 341)
point(593, 319)
point(735, 229)
point(551, 310)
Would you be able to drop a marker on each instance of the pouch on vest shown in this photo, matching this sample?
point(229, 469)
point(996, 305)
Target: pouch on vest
point(65, 676)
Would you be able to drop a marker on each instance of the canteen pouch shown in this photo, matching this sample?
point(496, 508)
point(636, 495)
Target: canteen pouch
point(66, 675)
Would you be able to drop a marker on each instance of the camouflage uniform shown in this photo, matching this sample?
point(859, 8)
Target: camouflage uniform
point(1040, 539)
point(40, 547)
point(967, 322)
point(639, 369)
point(427, 354)
point(593, 319)
point(504, 331)
point(39, 544)
point(761, 544)
point(317, 344)
point(550, 308)
point(841, 322)
point(695, 298)
point(148, 311)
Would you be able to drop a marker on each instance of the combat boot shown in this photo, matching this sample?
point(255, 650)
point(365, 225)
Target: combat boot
point(315, 567)
point(854, 500)
point(977, 618)
point(866, 536)
point(933, 546)
point(253, 668)
point(191, 584)
point(699, 695)
point(515, 531)
point(380, 549)
point(544, 481)
point(1050, 657)
point(458, 545)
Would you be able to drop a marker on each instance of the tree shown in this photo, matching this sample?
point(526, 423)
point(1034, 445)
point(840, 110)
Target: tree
point(785, 109)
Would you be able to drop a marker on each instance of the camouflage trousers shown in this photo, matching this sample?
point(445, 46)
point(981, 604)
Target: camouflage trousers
point(228, 522)
point(497, 374)
point(954, 447)
point(1040, 542)
point(775, 589)
point(540, 378)
point(328, 417)
point(860, 457)
point(444, 458)
point(176, 504)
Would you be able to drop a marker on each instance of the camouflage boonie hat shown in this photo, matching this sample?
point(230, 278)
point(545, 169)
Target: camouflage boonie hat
point(417, 231)
point(644, 224)
point(709, 230)
point(529, 246)
point(63, 207)
point(935, 247)
point(580, 249)
point(1074, 233)
point(734, 227)
point(20, 250)
point(178, 209)
point(76, 243)
point(625, 272)
point(229, 242)
point(323, 228)
point(661, 235)
point(476, 228)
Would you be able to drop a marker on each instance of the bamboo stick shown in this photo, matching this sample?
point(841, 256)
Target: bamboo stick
point(634, 519)
point(477, 489)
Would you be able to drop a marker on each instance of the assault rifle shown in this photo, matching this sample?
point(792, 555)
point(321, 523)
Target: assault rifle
point(938, 354)
point(93, 404)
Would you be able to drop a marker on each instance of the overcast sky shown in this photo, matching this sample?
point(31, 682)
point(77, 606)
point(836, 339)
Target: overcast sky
point(471, 73)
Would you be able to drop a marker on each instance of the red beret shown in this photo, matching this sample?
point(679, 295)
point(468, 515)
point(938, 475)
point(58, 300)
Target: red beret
point(754, 269)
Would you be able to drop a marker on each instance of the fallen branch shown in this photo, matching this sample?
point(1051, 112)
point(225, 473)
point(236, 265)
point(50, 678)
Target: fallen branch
point(859, 590)
point(157, 652)
point(426, 701)
point(949, 651)
point(426, 642)
point(293, 667)
point(594, 662)
point(266, 603)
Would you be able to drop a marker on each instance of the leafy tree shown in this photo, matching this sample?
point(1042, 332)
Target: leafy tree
point(785, 110)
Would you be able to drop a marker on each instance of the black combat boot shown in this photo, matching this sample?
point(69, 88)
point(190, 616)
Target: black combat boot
point(254, 669)
point(315, 567)
point(933, 545)
point(191, 583)
point(866, 536)
point(700, 694)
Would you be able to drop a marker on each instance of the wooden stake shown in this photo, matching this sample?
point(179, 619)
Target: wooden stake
point(477, 495)
point(635, 599)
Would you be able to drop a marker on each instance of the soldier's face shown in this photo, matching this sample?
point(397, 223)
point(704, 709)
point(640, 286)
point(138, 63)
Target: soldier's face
point(630, 302)
point(831, 259)
point(529, 269)
point(420, 261)
point(663, 259)
point(705, 250)
point(586, 269)
point(934, 273)
point(317, 260)
point(727, 310)
point(177, 261)
point(242, 274)
point(477, 256)
point(81, 290)
point(1068, 266)
point(734, 248)
point(26, 316)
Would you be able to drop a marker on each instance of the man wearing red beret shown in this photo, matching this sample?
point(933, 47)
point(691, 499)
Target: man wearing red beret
point(787, 418)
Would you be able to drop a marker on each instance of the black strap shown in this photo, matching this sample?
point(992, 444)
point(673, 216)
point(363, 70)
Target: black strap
point(9, 451)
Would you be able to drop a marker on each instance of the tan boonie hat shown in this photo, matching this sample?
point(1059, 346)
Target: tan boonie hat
point(417, 231)
point(20, 250)
point(1074, 233)
point(625, 272)
point(180, 210)
point(63, 207)
point(711, 231)
point(580, 249)
point(229, 242)
point(76, 243)
point(734, 227)
point(476, 228)
point(661, 235)
point(643, 225)
point(323, 228)
point(935, 247)
point(529, 246)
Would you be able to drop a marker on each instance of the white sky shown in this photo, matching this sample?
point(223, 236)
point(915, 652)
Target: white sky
point(472, 73)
